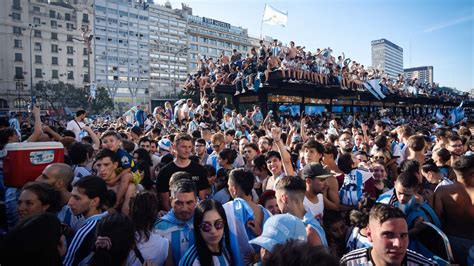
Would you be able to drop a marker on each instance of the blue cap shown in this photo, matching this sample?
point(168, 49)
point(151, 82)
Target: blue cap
point(278, 229)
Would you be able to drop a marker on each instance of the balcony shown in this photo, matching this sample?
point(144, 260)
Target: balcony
point(19, 77)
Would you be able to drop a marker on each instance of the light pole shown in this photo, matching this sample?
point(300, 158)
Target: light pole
point(182, 49)
point(32, 91)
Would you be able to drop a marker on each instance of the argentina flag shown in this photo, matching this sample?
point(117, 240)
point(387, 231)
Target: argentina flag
point(456, 115)
point(374, 87)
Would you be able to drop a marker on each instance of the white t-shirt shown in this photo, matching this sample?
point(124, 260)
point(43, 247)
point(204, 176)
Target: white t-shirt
point(75, 127)
point(316, 209)
point(154, 250)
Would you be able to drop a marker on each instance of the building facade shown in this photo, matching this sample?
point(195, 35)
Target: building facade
point(424, 74)
point(209, 37)
point(121, 44)
point(388, 57)
point(168, 51)
point(42, 42)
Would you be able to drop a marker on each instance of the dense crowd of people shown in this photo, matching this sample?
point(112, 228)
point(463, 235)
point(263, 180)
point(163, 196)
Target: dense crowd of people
point(201, 184)
point(297, 65)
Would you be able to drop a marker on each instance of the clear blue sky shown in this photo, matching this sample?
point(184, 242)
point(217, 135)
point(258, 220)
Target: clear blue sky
point(431, 32)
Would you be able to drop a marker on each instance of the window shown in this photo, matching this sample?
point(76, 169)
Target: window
point(67, 16)
point(37, 46)
point(36, 21)
point(194, 47)
point(37, 33)
point(70, 62)
point(36, 9)
point(18, 57)
point(16, 16)
point(16, 4)
point(38, 73)
point(86, 63)
point(54, 60)
point(19, 73)
point(55, 74)
point(38, 59)
point(69, 38)
point(85, 18)
point(70, 50)
point(54, 48)
point(52, 14)
point(84, 51)
point(69, 26)
point(18, 44)
point(54, 35)
point(54, 24)
point(203, 49)
point(16, 30)
point(70, 75)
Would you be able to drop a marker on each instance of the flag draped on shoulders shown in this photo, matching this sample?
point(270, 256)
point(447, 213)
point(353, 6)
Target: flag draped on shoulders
point(238, 213)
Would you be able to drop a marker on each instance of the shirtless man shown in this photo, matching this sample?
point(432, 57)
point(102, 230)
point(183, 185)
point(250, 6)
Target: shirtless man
point(292, 51)
point(454, 205)
point(273, 63)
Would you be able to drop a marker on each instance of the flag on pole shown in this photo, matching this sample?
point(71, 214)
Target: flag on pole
point(456, 115)
point(274, 16)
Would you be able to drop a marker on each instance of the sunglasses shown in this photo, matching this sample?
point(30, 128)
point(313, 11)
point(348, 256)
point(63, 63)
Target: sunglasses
point(207, 226)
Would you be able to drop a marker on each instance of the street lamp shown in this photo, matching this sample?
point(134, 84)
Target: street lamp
point(32, 91)
point(181, 50)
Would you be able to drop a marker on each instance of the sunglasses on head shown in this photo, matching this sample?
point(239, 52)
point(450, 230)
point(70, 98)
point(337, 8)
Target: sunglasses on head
point(207, 226)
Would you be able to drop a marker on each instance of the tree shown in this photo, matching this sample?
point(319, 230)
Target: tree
point(102, 102)
point(61, 95)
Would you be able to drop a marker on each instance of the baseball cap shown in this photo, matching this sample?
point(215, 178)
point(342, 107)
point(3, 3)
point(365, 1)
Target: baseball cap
point(315, 170)
point(164, 144)
point(278, 229)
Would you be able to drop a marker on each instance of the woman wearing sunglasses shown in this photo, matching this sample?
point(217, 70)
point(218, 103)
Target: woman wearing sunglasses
point(211, 235)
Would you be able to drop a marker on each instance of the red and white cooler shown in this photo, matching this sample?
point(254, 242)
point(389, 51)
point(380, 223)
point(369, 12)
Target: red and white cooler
point(25, 161)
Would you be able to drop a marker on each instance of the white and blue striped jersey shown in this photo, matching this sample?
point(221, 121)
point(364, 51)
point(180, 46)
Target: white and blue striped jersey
point(191, 258)
point(83, 241)
point(66, 216)
point(181, 237)
point(356, 240)
point(351, 191)
point(363, 257)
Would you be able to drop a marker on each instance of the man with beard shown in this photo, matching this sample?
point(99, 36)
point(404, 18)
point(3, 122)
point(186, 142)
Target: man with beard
point(455, 147)
point(77, 124)
point(250, 152)
point(265, 144)
point(177, 224)
point(183, 145)
point(345, 143)
point(89, 198)
point(315, 178)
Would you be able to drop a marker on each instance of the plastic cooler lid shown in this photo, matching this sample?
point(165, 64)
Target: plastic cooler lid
point(23, 146)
